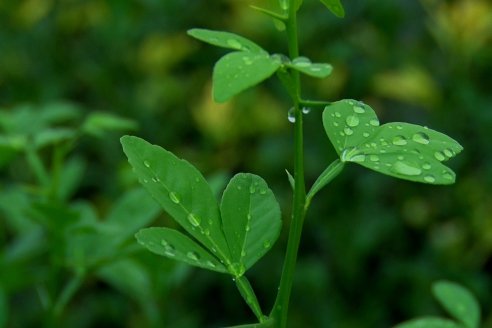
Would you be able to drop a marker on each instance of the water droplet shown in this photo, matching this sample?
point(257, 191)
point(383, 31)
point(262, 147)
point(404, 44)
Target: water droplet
point(359, 110)
point(448, 176)
point(211, 264)
point(401, 158)
point(348, 131)
point(366, 134)
point(147, 164)
point(243, 253)
point(248, 216)
point(374, 122)
point(342, 134)
point(192, 256)
point(358, 158)
point(421, 138)
point(234, 44)
point(164, 243)
point(247, 60)
point(449, 153)
point(145, 181)
point(156, 179)
point(399, 141)
point(406, 169)
point(206, 232)
point(374, 158)
point(263, 191)
point(194, 220)
point(352, 121)
point(301, 62)
point(429, 178)
point(439, 156)
point(426, 166)
point(337, 114)
point(291, 115)
point(399, 127)
point(335, 124)
point(267, 244)
point(174, 197)
point(248, 228)
point(252, 189)
point(306, 110)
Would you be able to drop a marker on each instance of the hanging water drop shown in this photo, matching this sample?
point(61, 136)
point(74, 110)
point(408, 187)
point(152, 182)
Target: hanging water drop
point(291, 115)
point(194, 220)
point(421, 138)
point(352, 121)
point(399, 141)
point(306, 110)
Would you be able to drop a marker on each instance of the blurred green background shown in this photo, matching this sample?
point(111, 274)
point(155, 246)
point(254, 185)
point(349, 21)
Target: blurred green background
point(372, 245)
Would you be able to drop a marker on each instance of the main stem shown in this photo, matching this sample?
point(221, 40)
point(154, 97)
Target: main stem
point(280, 309)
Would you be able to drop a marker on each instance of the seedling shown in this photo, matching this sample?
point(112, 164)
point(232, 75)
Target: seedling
point(231, 236)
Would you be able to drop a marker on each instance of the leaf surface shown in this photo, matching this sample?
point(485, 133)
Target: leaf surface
point(402, 150)
point(335, 7)
point(305, 66)
point(225, 40)
point(251, 219)
point(175, 245)
point(429, 322)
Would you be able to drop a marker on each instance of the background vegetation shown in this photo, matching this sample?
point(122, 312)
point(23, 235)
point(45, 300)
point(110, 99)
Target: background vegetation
point(372, 245)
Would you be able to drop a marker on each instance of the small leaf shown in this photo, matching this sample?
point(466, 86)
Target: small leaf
point(304, 65)
point(180, 189)
point(401, 150)
point(225, 40)
point(328, 174)
point(51, 136)
point(335, 7)
point(429, 322)
point(175, 245)
point(250, 218)
point(459, 302)
point(292, 181)
point(98, 123)
point(238, 71)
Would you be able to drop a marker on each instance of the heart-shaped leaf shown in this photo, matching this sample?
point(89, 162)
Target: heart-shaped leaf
point(250, 218)
point(175, 245)
point(225, 40)
point(335, 7)
point(238, 71)
point(180, 189)
point(459, 302)
point(304, 65)
point(429, 322)
point(401, 150)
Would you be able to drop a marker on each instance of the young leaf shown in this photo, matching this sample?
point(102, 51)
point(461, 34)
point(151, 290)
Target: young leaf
point(304, 65)
point(225, 40)
point(401, 150)
point(98, 123)
point(250, 218)
point(429, 322)
point(459, 302)
point(238, 71)
point(335, 7)
point(180, 189)
point(175, 245)
point(328, 174)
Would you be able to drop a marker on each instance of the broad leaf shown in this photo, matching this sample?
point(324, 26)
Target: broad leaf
point(335, 7)
point(429, 322)
point(250, 217)
point(459, 302)
point(238, 71)
point(175, 245)
point(401, 150)
point(304, 65)
point(180, 189)
point(225, 40)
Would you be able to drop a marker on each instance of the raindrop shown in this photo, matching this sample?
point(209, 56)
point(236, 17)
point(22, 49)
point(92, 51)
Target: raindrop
point(359, 110)
point(145, 181)
point(243, 253)
point(439, 156)
point(211, 264)
point(374, 122)
point(366, 134)
point(358, 158)
point(267, 244)
point(348, 131)
point(374, 158)
point(306, 110)
point(263, 191)
point(248, 228)
point(194, 220)
point(291, 116)
point(401, 158)
point(252, 189)
point(448, 152)
point(164, 243)
point(337, 114)
point(399, 127)
point(448, 176)
point(406, 169)
point(399, 141)
point(335, 124)
point(247, 60)
point(352, 121)
point(147, 164)
point(192, 256)
point(234, 44)
point(156, 179)
point(426, 166)
point(421, 138)
point(248, 216)
point(301, 62)
point(429, 178)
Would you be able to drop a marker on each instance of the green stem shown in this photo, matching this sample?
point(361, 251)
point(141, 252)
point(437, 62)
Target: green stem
point(249, 296)
point(67, 293)
point(280, 309)
point(313, 103)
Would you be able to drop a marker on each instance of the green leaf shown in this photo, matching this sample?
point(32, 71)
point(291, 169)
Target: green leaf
point(238, 71)
point(292, 181)
point(175, 245)
point(335, 7)
point(250, 217)
point(328, 174)
point(180, 189)
point(225, 40)
point(429, 322)
point(51, 136)
point(401, 150)
point(459, 302)
point(304, 65)
point(4, 308)
point(98, 123)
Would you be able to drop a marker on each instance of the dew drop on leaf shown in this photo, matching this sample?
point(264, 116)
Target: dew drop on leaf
point(406, 169)
point(448, 152)
point(174, 197)
point(337, 114)
point(374, 122)
point(147, 164)
point(429, 178)
point(194, 220)
point(448, 176)
point(234, 44)
point(252, 189)
point(374, 158)
point(352, 121)
point(358, 158)
point(211, 264)
point(348, 131)
point(156, 179)
point(359, 110)
point(267, 244)
point(426, 166)
point(192, 256)
point(421, 138)
point(399, 141)
point(439, 156)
